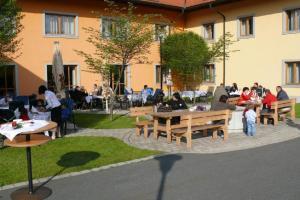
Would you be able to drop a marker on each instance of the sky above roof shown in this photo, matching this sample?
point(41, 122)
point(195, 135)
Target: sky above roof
point(180, 3)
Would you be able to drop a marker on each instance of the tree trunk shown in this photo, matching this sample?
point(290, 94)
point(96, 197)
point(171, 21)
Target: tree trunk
point(112, 99)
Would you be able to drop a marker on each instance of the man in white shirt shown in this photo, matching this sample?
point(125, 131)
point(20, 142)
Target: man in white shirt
point(53, 105)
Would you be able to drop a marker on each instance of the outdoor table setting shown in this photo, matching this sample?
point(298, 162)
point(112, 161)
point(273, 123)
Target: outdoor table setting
point(168, 126)
point(26, 134)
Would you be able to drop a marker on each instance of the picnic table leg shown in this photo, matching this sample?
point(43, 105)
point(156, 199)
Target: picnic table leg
point(215, 134)
point(146, 131)
point(205, 133)
point(168, 131)
point(225, 131)
point(155, 132)
point(258, 115)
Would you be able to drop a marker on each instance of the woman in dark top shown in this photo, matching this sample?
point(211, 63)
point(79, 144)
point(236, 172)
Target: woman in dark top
point(234, 88)
point(177, 102)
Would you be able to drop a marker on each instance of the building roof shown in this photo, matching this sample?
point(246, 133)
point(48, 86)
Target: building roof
point(180, 3)
point(183, 4)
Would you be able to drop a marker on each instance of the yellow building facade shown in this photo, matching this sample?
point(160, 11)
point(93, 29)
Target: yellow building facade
point(266, 47)
point(268, 55)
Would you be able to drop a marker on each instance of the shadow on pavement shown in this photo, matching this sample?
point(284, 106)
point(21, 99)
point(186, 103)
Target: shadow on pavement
point(165, 163)
point(72, 159)
point(291, 123)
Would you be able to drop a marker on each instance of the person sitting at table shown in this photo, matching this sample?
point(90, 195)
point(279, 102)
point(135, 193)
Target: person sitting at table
point(281, 94)
point(223, 104)
point(95, 90)
point(253, 94)
point(267, 101)
point(234, 88)
point(145, 93)
point(23, 113)
point(260, 91)
point(244, 96)
point(220, 90)
point(54, 106)
point(177, 103)
point(39, 106)
point(5, 101)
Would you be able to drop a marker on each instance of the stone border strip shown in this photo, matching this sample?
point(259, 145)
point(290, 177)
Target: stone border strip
point(45, 179)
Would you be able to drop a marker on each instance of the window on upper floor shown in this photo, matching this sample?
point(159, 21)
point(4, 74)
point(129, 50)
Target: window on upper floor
point(292, 20)
point(209, 31)
point(162, 30)
point(60, 24)
point(292, 73)
point(246, 26)
point(209, 73)
point(109, 27)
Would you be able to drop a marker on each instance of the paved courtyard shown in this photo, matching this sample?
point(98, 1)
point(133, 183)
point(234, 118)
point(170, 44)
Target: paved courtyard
point(266, 134)
point(265, 173)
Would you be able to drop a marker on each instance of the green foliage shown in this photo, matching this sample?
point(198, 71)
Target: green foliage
point(216, 50)
point(66, 155)
point(129, 41)
point(185, 53)
point(10, 27)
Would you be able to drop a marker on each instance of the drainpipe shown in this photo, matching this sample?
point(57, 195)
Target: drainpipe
point(224, 43)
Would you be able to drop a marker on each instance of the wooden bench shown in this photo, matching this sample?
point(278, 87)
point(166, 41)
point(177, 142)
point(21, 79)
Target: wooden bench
point(202, 121)
point(280, 109)
point(233, 100)
point(138, 112)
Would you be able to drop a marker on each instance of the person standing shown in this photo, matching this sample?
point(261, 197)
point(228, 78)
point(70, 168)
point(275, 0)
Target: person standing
point(54, 106)
point(250, 119)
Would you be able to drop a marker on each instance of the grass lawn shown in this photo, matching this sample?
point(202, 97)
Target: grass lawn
point(65, 155)
point(101, 121)
point(298, 110)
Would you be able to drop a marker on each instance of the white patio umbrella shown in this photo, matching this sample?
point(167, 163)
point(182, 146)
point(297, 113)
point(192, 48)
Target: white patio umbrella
point(58, 71)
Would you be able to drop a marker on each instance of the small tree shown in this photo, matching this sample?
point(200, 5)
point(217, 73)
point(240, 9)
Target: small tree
point(129, 41)
point(10, 27)
point(185, 54)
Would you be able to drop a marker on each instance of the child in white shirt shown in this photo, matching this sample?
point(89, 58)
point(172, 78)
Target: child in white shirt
point(250, 119)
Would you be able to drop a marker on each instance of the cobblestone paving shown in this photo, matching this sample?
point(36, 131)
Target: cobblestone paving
point(266, 134)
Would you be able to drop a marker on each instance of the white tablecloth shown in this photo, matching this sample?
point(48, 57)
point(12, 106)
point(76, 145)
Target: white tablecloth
point(8, 131)
point(190, 94)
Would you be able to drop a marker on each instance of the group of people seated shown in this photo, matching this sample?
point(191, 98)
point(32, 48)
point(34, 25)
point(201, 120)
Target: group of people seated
point(248, 98)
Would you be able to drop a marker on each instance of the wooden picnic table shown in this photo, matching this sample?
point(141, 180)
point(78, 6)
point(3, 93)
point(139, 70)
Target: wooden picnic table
point(168, 126)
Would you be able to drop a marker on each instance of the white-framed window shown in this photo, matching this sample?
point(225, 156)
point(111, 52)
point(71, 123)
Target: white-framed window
point(291, 20)
point(60, 24)
point(292, 73)
point(161, 29)
point(209, 73)
point(209, 31)
point(246, 27)
point(109, 27)
point(159, 72)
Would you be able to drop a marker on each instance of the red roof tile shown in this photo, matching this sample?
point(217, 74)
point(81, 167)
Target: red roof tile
point(179, 3)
